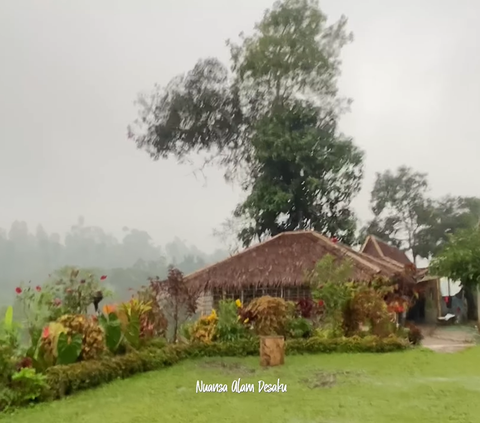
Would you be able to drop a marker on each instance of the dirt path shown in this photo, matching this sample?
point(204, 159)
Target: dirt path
point(449, 339)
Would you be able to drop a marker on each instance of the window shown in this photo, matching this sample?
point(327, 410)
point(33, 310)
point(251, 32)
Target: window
point(248, 294)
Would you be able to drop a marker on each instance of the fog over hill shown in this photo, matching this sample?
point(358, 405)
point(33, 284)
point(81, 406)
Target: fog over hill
point(33, 254)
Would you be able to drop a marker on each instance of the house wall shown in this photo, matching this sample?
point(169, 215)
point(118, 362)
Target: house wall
point(205, 303)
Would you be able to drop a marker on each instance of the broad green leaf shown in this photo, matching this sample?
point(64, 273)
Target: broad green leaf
point(113, 331)
point(68, 348)
point(8, 321)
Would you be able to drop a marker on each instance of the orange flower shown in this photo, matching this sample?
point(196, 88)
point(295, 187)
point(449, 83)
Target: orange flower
point(46, 332)
point(109, 309)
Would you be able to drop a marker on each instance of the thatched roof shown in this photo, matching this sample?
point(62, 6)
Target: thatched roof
point(283, 261)
point(374, 246)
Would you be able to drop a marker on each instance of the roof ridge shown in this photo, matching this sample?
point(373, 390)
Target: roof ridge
point(386, 243)
point(347, 251)
point(208, 266)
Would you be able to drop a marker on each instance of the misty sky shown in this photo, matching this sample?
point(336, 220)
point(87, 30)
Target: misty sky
point(71, 70)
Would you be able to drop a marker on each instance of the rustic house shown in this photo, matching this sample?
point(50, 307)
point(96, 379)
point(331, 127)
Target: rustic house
point(277, 267)
point(428, 306)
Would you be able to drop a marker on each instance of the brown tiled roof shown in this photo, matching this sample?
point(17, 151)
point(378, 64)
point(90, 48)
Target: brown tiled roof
point(388, 252)
point(284, 260)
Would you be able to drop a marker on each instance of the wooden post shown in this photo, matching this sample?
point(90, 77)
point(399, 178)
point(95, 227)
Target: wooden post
point(272, 351)
point(439, 299)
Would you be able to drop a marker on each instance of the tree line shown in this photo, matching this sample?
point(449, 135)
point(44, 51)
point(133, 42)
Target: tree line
point(129, 262)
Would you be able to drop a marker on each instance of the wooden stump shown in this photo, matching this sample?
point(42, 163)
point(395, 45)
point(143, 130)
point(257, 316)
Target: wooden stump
point(272, 351)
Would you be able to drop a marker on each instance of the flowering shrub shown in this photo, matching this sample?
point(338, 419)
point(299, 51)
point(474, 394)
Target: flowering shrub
point(38, 306)
point(76, 290)
point(204, 329)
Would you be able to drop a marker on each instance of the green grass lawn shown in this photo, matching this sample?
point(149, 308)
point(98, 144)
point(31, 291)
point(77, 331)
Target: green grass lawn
point(414, 386)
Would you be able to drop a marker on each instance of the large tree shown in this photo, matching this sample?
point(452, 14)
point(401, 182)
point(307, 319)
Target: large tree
point(449, 216)
point(271, 121)
point(459, 260)
point(401, 208)
point(305, 178)
point(406, 217)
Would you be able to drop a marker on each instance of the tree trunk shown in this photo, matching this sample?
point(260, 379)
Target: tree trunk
point(272, 350)
point(471, 307)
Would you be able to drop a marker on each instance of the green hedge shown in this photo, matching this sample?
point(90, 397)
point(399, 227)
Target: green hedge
point(66, 380)
point(369, 344)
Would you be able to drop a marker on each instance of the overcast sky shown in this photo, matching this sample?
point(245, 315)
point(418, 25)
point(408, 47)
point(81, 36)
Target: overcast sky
point(70, 71)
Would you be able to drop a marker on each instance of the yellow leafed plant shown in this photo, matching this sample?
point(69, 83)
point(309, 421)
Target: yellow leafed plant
point(133, 316)
point(204, 329)
point(135, 307)
point(269, 315)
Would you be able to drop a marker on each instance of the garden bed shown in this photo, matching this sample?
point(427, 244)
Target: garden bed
point(64, 380)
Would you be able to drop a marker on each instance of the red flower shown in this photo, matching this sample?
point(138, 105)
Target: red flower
point(102, 278)
point(46, 332)
point(320, 303)
point(38, 288)
point(57, 301)
point(18, 290)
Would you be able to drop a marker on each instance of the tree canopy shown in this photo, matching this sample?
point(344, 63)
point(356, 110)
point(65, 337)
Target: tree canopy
point(459, 258)
point(400, 207)
point(407, 217)
point(271, 121)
